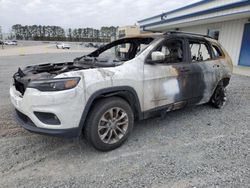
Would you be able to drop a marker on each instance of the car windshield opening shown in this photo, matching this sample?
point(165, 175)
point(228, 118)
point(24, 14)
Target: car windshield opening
point(120, 50)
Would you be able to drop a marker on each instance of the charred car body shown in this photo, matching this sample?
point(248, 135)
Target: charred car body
point(101, 94)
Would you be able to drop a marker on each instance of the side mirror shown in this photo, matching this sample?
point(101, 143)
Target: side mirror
point(157, 56)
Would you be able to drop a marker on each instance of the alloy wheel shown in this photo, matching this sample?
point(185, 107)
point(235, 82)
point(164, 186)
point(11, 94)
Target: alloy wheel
point(113, 125)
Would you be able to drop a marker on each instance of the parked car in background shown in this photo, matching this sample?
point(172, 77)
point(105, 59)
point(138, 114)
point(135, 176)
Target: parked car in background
point(63, 46)
point(92, 45)
point(89, 45)
point(102, 93)
point(14, 42)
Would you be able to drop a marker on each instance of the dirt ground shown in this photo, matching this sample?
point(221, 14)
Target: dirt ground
point(194, 147)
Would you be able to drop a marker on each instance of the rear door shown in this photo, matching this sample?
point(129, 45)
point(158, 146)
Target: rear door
point(204, 68)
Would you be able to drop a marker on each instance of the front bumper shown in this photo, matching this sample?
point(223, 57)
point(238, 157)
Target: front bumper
point(27, 124)
point(67, 105)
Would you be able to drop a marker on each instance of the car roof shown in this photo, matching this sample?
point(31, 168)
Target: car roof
point(172, 34)
point(144, 35)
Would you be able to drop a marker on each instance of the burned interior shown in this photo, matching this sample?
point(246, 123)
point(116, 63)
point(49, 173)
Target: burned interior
point(118, 51)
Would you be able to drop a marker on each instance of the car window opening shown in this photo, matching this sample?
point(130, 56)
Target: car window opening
point(172, 51)
point(119, 51)
point(199, 51)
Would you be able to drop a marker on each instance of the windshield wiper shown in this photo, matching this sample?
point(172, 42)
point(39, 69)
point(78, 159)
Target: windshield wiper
point(82, 57)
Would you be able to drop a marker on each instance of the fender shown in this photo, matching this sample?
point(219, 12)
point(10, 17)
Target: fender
point(112, 91)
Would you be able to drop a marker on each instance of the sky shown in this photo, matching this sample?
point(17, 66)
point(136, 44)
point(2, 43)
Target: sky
point(82, 13)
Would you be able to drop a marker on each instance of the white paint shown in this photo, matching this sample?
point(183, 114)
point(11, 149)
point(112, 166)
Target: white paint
point(67, 105)
point(171, 87)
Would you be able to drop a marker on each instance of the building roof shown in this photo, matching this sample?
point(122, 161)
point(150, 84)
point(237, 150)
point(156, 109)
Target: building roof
point(201, 10)
point(178, 9)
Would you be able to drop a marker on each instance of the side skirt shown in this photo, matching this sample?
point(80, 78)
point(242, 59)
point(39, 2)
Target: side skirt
point(162, 110)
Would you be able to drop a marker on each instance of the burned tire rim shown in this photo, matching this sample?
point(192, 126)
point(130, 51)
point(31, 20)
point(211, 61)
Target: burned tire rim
point(219, 98)
point(113, 125)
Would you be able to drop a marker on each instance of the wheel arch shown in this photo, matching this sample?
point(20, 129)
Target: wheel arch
point(125, 92)
point(225, 81)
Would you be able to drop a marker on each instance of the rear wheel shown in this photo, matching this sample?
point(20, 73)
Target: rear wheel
point(109, 123)
point(218, 100)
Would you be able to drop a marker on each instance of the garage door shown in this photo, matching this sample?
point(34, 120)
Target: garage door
point(245, 47)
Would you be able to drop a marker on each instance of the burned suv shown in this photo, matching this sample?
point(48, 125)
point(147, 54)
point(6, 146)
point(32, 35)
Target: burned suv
point(133, 78)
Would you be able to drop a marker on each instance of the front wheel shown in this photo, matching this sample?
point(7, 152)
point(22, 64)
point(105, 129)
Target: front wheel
point(109, 123)
point(218, 99)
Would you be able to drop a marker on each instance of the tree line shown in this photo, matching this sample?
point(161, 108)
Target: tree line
point(57, 33)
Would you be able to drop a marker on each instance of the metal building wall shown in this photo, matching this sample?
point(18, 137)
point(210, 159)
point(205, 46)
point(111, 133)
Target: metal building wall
point(231, 33)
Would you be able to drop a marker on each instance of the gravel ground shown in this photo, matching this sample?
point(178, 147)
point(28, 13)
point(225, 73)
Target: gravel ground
point(193, 147)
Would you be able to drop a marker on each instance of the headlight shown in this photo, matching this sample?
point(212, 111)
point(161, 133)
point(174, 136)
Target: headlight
point(57, 84)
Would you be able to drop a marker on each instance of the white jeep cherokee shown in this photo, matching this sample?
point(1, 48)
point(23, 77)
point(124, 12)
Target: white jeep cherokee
point(101, 94)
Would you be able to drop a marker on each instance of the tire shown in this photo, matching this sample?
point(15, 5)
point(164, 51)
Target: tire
point(218, 99)
point(105, 133)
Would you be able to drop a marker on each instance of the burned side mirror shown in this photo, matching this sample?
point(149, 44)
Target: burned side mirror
point(156, 57)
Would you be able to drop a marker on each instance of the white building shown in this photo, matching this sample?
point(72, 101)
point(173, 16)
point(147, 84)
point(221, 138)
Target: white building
point(226, 20)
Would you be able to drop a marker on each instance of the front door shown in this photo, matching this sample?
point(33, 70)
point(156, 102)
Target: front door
point(166, 82)
point(245, 47)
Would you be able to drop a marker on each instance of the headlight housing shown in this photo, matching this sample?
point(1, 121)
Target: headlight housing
point(57, 84)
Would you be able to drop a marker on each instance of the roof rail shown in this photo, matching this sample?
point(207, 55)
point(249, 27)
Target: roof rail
point(180, 32)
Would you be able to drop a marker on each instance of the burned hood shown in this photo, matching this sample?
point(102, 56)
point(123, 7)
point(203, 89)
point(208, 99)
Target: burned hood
point(49, 70)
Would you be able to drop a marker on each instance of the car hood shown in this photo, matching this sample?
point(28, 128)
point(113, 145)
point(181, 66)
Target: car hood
point(50, 70)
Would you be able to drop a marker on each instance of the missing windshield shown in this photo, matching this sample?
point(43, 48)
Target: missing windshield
point(118, 51)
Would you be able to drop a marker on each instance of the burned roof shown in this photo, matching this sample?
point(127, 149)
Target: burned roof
point(144, 35)
point(159, 34)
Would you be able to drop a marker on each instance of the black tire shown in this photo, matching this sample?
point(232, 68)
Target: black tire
point(218, 99)
point(94, 124)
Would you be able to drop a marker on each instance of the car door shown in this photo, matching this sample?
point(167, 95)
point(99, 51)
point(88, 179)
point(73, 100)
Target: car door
point(166, 82)
point(204, 68)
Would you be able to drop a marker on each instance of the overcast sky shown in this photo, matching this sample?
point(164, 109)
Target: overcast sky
point(82, 13)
